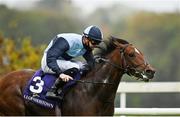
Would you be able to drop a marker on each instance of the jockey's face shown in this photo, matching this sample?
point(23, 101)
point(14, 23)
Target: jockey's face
point(89, 43)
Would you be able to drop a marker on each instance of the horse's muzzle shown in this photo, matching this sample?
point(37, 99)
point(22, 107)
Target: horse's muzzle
point(150, 73)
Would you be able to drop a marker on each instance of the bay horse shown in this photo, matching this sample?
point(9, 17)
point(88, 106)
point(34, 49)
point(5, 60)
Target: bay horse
point(93, 95)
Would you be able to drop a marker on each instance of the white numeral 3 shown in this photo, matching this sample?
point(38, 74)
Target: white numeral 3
point(38, 85)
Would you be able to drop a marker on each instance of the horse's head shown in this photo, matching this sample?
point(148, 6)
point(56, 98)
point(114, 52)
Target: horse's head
point(132, 60)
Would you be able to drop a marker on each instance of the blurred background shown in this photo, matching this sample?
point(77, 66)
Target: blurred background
point(27, 26)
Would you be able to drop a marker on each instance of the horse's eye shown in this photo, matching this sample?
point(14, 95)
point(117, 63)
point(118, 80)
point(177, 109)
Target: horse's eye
point(131, 55)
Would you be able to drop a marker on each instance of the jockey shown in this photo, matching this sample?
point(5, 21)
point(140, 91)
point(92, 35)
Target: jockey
point(57, 58)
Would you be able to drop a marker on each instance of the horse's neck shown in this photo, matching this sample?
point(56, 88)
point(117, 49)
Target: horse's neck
point(110, 76)
point(111, 70)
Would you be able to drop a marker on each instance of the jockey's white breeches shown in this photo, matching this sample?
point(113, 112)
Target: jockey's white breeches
point(63, 65)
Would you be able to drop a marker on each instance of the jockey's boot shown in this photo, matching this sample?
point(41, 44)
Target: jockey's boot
point(55, 90)
point(58, 85)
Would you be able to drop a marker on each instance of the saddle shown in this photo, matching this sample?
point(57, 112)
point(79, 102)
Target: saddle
point(38, 86)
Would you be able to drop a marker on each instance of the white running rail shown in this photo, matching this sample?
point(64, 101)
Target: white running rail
point(150, 87)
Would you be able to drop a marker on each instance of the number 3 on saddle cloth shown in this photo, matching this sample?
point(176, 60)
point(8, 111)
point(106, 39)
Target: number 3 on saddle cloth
point(38, 86)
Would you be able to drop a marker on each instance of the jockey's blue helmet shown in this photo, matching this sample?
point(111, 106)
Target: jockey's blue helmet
point(94, 33)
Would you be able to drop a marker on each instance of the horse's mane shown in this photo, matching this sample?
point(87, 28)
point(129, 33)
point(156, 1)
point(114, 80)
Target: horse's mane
point(108, 46)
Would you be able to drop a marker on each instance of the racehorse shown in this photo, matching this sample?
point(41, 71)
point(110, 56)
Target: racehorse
point(93, 95)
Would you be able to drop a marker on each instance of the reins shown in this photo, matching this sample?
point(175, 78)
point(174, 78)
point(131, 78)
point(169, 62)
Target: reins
point(114, 65)
point(103, 83)
point(93, 82)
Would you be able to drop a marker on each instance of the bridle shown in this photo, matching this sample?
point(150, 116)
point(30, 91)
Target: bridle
point(130, 70)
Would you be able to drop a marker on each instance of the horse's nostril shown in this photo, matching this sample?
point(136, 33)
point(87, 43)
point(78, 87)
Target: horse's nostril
point(150, 71)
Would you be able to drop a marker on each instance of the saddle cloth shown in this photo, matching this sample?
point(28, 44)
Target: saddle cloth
point(38, 86)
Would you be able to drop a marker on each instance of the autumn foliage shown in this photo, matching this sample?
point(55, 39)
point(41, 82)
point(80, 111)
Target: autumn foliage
point(21, 54)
